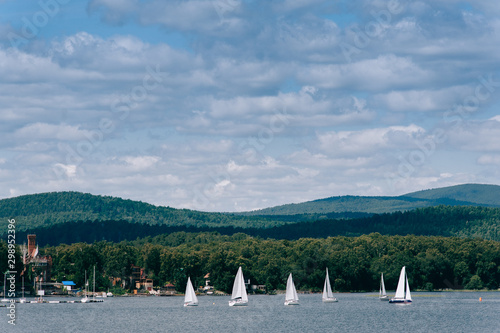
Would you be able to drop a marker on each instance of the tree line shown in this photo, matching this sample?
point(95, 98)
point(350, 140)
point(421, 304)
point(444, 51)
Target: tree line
point(355, 263)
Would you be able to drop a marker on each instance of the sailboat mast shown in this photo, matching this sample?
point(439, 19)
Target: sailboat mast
point(406, 287)
point(85, 283)
point(93, 288)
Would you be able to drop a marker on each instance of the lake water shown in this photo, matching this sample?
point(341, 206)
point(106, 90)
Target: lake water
point(363, 312)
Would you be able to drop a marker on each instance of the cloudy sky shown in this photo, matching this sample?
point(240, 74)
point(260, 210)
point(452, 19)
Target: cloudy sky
point(234, 105)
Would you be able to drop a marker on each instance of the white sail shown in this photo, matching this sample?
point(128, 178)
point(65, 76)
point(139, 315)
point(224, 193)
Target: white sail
point(291, 294)
point(239, 295)
point(85, 298)
point(4, 299)
point(400, 291)
point(382, 293)
point(190, 297)
point(22, 300)
point(327, 289)
point(408, 294)
point(382, 286)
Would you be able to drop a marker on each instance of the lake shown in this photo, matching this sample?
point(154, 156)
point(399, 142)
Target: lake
point(359, 312)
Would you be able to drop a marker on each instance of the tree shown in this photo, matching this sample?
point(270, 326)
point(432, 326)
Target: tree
point(475, 283)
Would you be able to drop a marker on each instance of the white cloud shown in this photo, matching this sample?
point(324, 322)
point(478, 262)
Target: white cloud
point(366, 142)
point(42, 131)
point(489, 159)
point(422, 100)
point(384, 72)
point(465, 136)
point(138, 163)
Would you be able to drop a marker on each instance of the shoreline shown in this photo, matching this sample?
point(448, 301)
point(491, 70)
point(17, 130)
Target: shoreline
point(278, 292)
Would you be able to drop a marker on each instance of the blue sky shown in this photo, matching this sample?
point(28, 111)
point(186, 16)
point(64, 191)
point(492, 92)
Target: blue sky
point(231, 105)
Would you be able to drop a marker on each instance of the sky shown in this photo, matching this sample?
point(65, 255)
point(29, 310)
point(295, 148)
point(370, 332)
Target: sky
point(236, 105)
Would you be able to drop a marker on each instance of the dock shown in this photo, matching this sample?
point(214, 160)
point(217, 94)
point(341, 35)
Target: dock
point(52, 302)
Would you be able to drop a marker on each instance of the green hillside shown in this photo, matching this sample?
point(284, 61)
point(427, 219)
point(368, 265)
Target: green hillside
point(47, 209)
point(448, 221)
point(480, 194)
point(460, 195)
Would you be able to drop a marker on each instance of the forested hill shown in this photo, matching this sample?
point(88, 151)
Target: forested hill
point(47, 209)
point(459, 195)
point(475, 194)
point(462, 221)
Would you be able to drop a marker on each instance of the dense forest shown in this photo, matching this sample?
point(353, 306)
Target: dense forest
point(355, 263)
point(460, 221)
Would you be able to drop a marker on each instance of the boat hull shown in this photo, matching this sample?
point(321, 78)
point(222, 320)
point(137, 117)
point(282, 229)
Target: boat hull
point(330, 300)
point(384, 298)
point(400, 301)
point(291, 302)
point(238, 303)
point(190, 304)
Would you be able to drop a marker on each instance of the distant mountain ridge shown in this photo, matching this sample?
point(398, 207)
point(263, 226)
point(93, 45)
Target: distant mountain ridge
point(481, 194)
point(458, 195)
point(48, 209)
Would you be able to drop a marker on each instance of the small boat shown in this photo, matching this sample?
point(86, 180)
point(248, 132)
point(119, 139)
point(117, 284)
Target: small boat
point(85, 299)
point(23, 299)
point(102, 294)
point(93, 288)
point(327, 291)
point(40, 292)
point(291, 297)
point(382, 293)
point(4, 300)
point(109, 294)
point(239, 296)
point(403, 295)
point(190, 298)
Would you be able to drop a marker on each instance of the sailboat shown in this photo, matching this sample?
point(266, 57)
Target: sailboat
point(403, 295)
point(93, 288)
point(239, 296)
point(40, 291)
point(190, 298)
point(327, 291)
point(291, 297)
point(85, 299)
point(382, 293)
point(4, 299)
point(23, 299)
